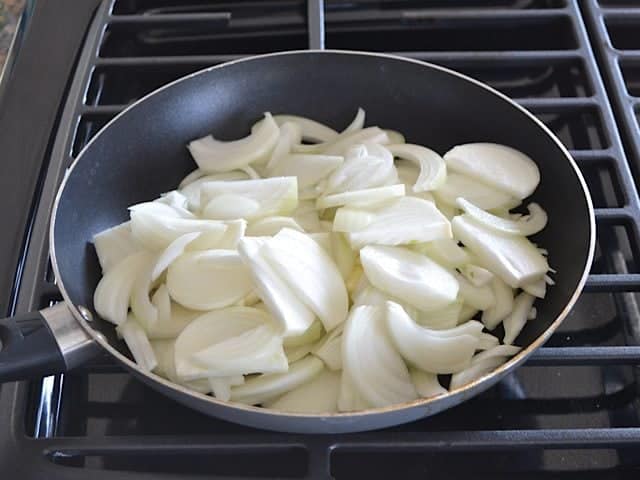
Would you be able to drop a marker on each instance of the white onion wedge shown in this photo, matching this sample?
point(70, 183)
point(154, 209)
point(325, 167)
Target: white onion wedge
point(164, 352)
point(191, 177)
point(213, 155)
point(138, 343)
point(349, 399)
point(514, 259)
point(537, 288)
point(475, 372)
point(514, 322)
point(370, 360)
point(156, 232)
point(409, 276)
point(269, 226)
point(208, 279)
point(395, 137)
point(329, 349)
point(486, 341)
point(524, 226)
point(236, 229)
point(308, 168)
point(480, 298)
point(467, 312)
point(141, 306)
point(481, 195)
point(176, 200)
point(309, 272)
point(307, 217)
point(319, 395)
point(441, 319)
point(445, 251)
point(179, 317)
point(426, 383)
point(249, 199)
point(294, 316)
point(503, 294)
point(290, 135)
point(221, 386)
point(111, 297)
point(312, 334)
point(357, 123)
point(478, 276)
point(365, 166)
point(500, 166)
point(232, 341)
point(435, 351)
point(173, 251)
point(294, 354)
point(267, 387)
point(433, 170)
point(405, 220)
point(370, 135)
point(361, 198)
point(114, 244)
point(192, 189)
point(311, 130)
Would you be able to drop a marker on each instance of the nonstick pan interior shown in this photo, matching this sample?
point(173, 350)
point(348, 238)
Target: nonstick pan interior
point(142, 153)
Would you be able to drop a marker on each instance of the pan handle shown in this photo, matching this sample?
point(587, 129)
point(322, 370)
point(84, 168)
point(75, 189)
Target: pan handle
point(42, 343)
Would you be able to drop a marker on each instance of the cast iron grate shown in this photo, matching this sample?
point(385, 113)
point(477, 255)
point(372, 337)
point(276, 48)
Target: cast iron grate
point(572, 410)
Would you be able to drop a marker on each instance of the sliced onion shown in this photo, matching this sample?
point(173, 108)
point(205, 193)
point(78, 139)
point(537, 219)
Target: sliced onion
point(429, 350)
point(433, 171)
point(221, 386)
point(405, 220)
point(370, 135)
point(192, 190)
point(172, 252)
point(349, 399)
point(267, 387)
point(306, 216)
point(312, 334)
point(483, 196)
point(156, 232)
point(426, 383)
point(141, 306)
point(480, 298)
point(176, 200)
point(499, 166)
point(269, 226)
point(357, 123)
point(408, 276)
point(323, 239)
point(232, 341)
point(361, 198)
point(235, 231)
point(249, 199)
point(169, 328)
point(441, 319)
point(537, 288)
point(319, 395)
point(365, 166)
point(138, 343)
point(309, 272)
point(111, 297)
point(311, 130)
point(503, 294)
point(329, 349)
point(164, 351)
point(478, 276)
point(294, 316)
point(486, 341)
point(525, 226)
point(395, 137)
point(191, 177)
point(308, 168)
point(378, 373)
point(294, 354)
point(208, 279)
point(475, 372)
point(514, 323)
point(514, 259)
point(290, 135)
point(213, 155)
point(114, 245)
point(467, 312)
point(445, 251)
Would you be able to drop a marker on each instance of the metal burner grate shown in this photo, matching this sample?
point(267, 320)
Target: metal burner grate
point(572, 410)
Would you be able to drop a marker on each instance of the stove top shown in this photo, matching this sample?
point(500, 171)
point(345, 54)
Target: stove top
point(573, 411)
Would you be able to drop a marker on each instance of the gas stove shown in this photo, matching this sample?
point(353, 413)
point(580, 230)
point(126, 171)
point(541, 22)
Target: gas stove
point(573, 411)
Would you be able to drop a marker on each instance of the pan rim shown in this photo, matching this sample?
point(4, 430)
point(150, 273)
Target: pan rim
point(458, 394)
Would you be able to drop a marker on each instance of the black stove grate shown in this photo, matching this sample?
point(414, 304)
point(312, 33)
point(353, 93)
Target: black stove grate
point(572, 411)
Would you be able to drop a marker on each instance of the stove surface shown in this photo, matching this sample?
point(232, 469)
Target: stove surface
point(573, 411)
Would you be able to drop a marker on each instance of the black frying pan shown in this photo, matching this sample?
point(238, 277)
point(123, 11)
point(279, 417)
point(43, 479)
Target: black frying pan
point(141, 153)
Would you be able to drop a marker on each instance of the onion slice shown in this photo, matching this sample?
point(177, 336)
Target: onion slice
point(426, 383)
point(362, 198)
point(433, 170)
point(138, 344)
point(370, 360)
point(481, 195)
point(503, 294)
point(430, 350)
point(524, 226)
point(499, 166)
point(213, 155)
point(114, 244)
point(319, 395)
point(409, 276)
point(208, 279)
point(514, 322)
